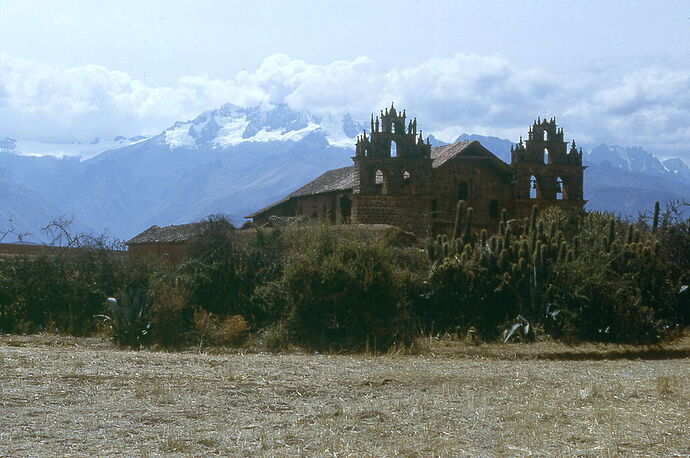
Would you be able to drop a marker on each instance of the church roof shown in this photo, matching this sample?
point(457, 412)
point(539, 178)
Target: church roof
point(442, 154)
point(343, 179)
point(468, 149)
point(333, 180)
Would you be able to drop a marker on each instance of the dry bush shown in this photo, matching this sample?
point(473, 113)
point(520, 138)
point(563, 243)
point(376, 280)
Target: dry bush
point(226, 331)
point(171, 315)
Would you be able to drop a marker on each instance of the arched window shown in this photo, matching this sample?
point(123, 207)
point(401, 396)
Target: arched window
point(546, 136)
point(392, 127)
point(534, 192)
point(381, 182)
point(546, 155)
point(560, 189)
point(407, 182)
point(463, 190)
point(394, 149)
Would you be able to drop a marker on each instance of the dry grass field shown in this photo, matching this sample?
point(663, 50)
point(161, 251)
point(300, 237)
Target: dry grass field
point(63, 396)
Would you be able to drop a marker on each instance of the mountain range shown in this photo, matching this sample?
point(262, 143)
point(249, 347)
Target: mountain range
point(234, 160)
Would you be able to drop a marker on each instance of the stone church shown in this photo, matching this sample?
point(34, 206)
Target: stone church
point(399, 179)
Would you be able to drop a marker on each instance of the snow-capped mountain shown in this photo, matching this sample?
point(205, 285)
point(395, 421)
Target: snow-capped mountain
point(231, 125)
point(232, 160)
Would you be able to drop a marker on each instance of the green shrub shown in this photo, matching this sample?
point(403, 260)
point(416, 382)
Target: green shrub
point(60, 293)
point(341, 295)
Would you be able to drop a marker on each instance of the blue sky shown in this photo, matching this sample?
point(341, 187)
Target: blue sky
point(614, 71)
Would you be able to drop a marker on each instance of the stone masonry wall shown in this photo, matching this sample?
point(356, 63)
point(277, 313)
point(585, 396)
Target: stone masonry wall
point(406, 212)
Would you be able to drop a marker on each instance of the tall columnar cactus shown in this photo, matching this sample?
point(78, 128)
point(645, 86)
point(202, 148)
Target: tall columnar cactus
point(611, 234)
point(655, 221)
point(467, 229)
point(533, 219)
point(630, 235)
point(459, 215)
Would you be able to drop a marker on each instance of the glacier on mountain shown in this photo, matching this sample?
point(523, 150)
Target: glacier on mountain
point(231, 125)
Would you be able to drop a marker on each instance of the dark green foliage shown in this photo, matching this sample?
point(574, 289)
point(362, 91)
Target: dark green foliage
point(342, 295)
point(592, 277)
point(129, 316)
point(59, 293)
point(225, 270)
point(588, 276)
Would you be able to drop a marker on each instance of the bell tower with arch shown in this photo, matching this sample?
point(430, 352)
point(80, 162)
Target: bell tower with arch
point(393, 173)
point(547, 171)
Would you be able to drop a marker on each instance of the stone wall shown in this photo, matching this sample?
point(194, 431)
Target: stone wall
point(166, 252)
point(478, 181)
point(409, 213)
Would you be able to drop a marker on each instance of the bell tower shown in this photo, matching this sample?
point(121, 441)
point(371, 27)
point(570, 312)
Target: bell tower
point(393, 178)
point(547, 172)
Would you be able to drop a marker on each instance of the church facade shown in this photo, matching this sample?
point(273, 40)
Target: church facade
point(397, 178)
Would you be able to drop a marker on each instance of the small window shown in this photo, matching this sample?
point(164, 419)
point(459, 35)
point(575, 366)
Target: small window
point(493, 209)
point(546, 155)
point(533, 187)
point(463, 190)
point(407, 182)
point(434, 206)
point(381, 182)
point(560, 189)
point(394, 149)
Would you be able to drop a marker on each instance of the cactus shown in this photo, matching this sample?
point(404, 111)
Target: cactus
point(611, 234)
point(459, 215)
point(630, 235)
point(467, 232)
point(533, 219)
point(655, 221)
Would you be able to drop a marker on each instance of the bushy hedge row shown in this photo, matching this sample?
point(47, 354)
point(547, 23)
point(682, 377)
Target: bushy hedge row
point(591, 276)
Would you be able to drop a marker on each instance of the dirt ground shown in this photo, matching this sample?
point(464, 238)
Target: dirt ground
point(63, 396)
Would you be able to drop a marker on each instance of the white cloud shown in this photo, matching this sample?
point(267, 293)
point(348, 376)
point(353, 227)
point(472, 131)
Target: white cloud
point(462, 93)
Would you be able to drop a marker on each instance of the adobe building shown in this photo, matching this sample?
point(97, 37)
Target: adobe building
point(167, 243)
point(399, 179)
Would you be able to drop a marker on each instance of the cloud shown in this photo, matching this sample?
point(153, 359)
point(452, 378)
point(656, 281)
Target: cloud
point(461, 93)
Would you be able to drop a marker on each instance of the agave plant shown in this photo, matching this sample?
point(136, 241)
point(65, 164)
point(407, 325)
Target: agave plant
point(129, 317)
